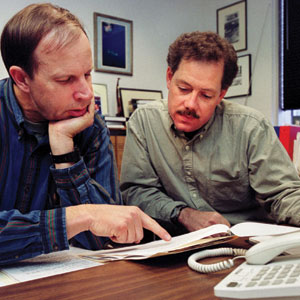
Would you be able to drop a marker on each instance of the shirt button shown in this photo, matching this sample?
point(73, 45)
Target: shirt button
point(55, 247)
point(27, 189)
point(187, 148)
point(189, 173)
point(194, 195)
point(201, 136)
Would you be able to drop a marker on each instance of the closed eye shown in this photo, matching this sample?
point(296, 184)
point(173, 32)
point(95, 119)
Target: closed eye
point(206, 96)
point(183, 89)
point(65, 80)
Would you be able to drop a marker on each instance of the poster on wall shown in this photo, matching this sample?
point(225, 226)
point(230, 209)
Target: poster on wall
point(232, 24)
point(241, 85)
point(113, 44)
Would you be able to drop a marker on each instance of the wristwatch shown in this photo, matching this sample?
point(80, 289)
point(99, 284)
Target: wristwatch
point(71, 157)
point(176, 213)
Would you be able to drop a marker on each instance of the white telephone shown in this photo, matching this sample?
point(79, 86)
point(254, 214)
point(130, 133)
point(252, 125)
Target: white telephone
point(264, 275)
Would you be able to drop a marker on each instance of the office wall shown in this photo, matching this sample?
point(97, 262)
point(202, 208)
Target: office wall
point(157, 23)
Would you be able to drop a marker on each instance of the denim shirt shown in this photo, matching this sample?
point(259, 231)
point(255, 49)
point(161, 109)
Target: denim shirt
point(33, 194)
point(234, 165)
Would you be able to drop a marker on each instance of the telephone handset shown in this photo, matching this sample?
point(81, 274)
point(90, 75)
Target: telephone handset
point(265, 251)
point(258, 254)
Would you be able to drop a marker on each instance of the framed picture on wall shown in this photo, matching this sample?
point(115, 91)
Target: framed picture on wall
point(127, 95)
point(232, 24)
point(100, 94)
point(241, 85)
point(112, 44)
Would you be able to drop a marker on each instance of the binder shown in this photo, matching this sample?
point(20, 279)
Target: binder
point(287, 135)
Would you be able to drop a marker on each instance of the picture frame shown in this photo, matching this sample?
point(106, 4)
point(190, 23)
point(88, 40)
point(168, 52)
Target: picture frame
point(113, 44)
point(101, 99)
point(127, 94)
point(232, 24)
point(241, 85)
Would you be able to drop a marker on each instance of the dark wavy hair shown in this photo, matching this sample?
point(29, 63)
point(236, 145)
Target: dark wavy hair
point(28, 27)
point(204, 46)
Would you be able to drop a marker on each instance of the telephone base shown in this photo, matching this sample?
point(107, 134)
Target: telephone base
point(279, 280)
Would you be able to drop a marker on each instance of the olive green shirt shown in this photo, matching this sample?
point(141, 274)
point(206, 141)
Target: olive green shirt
point(234, 165)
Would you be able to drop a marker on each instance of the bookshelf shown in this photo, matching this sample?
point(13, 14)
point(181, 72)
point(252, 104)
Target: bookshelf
point(117, 137)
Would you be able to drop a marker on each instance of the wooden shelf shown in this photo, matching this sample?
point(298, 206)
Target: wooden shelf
point(118, 142)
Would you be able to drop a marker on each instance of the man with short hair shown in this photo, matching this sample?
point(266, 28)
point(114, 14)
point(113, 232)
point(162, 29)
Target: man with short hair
point(57, 172)
point(196, 159)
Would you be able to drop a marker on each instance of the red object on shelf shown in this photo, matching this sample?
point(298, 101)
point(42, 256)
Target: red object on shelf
point(287, 135)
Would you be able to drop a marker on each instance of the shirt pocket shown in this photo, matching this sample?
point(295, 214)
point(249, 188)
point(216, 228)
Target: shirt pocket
point(229, 195)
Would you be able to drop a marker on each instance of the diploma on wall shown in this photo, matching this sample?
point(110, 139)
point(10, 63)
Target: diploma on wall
point(193, 240)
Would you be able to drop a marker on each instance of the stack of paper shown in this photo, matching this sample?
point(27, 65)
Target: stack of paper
point(193, 240)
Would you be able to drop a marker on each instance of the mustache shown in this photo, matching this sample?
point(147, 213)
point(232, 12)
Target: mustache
point(188, 113)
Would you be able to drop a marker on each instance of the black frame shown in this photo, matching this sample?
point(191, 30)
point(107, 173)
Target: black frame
point(232, 24)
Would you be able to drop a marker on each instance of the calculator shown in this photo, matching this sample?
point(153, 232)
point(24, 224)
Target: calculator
point(278, 280)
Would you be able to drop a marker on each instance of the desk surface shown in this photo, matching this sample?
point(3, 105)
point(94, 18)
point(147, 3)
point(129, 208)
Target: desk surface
point(166, 277)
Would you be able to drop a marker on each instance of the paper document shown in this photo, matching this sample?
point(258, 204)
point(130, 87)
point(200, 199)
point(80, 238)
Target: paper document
point(45, 265)
point(189, 241)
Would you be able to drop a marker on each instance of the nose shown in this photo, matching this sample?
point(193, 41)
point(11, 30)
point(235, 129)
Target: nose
point(83, 90)
point(191, 102)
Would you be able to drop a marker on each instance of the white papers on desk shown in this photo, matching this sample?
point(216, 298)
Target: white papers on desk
point(197, 239)
point(45, 265)
point(73, 259)
point(157, 248)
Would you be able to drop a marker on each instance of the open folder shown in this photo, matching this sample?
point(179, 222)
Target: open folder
point(189, 241)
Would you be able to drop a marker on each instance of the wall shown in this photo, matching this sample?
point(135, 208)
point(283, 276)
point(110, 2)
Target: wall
point(157, 23)
point(262, 33)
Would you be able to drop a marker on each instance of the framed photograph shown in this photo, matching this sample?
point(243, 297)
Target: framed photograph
point(232, 24)
point(100, 94)
point(241, 85)
point(127, 95)
point(113, 44)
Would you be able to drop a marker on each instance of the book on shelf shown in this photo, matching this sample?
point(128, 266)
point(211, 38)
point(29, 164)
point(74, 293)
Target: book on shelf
point(115, 122)
point(115, 119)
point(117, 126)
point(287, 136)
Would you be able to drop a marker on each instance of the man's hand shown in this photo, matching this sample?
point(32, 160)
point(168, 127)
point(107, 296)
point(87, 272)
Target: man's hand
point(61, 132)
point(122, 224)
point(194, 219)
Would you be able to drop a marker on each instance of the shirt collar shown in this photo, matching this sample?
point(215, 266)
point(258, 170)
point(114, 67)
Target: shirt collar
point(13, 102)
point(38, 130)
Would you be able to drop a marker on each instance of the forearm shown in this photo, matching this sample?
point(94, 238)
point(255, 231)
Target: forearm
point(274, 178)
point(286, 208)
point(27, 235)
point(76, 186)
point(151, 200)
point(77, 220)
point(193, 219)
point(82, 185)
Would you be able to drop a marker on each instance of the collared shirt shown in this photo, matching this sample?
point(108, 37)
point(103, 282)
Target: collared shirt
point(33, 194)
point(234, 165)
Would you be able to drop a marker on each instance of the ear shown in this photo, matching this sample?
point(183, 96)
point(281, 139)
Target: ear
point(20, 78)
point(169, 77)
point(222, 95)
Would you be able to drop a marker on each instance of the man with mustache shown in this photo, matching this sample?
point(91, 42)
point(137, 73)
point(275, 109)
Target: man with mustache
point(196, 159)
point(58, 181)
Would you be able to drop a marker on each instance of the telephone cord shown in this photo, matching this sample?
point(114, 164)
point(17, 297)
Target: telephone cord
point(223, 265)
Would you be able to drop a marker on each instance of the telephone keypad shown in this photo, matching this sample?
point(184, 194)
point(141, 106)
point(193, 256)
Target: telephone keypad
point(277, 280)
point(275, 275)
